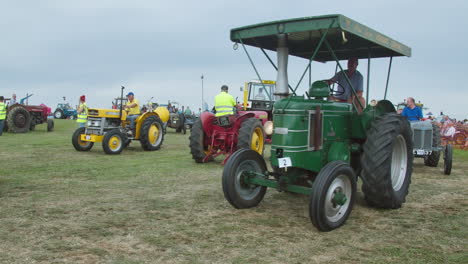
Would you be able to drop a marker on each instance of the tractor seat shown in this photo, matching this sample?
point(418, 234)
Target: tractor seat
point(224, 121)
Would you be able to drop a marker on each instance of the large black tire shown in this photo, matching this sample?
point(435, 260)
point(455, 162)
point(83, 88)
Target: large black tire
point(327, 208)
point(433, 159)
point(152, 133)
point(448, 156)
point(251, 136)
point(387, 162)
point(236, 191)
point(77, 143)
point(50, 125)
point(19, 120)
point(58, 114)
point(114, 142)
point(197, 147)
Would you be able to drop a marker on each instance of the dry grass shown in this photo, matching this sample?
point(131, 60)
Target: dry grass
point(61, 206)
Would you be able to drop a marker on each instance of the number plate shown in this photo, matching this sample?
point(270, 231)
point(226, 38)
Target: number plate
point(420, 152)
point(88, 137)
point(284, 162)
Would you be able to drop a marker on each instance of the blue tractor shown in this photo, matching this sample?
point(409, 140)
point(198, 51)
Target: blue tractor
point(65, 111)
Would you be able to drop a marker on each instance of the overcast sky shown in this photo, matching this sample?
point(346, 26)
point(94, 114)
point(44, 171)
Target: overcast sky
point(161, 48)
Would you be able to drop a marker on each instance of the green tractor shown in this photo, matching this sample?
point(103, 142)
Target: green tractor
point(319, 146)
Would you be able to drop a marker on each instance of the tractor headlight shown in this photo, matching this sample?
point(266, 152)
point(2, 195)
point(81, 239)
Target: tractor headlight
point(268, 126)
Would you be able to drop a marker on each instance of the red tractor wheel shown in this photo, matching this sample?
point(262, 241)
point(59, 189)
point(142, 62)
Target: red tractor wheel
point(197, 143)
point(251, 136)
point(19, 120)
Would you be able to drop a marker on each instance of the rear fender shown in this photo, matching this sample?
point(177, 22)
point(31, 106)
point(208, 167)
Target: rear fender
point(207, 119)
point(242, 118)
point(139, 122)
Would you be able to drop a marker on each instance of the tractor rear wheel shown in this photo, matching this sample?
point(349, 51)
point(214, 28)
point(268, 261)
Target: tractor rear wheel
point(151, 134)
point(50, 125)
point(197, 143)
point(433, 159)
point(78, 144)
point(19, 120)
point(387, 162)
point(236, 191)
point(58, 114)
point(332, 197)
point(251, 136)
point(113, 142)
point(448, 156)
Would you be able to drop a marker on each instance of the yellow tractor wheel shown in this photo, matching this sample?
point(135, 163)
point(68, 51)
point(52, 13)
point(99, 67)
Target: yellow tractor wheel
point(113, 142)
point(152, 133)
point(251, 136)
point(78, 144)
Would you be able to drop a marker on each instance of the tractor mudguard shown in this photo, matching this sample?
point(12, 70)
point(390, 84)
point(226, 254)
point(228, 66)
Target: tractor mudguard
point(242, 118)
point(262, 115)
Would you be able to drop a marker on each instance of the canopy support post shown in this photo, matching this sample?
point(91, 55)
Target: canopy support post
point(368, 76)
point(388, 77)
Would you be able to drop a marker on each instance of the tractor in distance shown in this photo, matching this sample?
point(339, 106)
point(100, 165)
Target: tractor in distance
point(22, 118)
point(320, 146)
point(427, 143)
point(213, 136)
point(110, 127)
point(64, 111)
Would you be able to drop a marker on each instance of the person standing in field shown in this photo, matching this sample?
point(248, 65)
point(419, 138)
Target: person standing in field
point(82, 112)
point(2, 114)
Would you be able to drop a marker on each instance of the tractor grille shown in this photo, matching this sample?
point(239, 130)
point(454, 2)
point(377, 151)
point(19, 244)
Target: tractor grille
point(422, 139)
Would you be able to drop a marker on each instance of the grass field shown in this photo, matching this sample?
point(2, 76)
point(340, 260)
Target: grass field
point(58, 205)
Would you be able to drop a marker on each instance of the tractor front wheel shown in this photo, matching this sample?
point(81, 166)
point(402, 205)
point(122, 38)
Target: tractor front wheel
point(78, 144)
point(387, 162)
point(237, 191)
point(151, 134)
point(50, 125)
point(197, 143)
point(19, 120)
point(251, 136)
point(58, 114)
point(448, 155)
point(113, 142)
point(433, 159)
point(332, 197)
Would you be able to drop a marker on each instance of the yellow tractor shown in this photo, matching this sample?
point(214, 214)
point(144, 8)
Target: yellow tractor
point(110, 127)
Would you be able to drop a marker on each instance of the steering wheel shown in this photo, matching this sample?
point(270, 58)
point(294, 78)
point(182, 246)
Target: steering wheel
point(337, 92)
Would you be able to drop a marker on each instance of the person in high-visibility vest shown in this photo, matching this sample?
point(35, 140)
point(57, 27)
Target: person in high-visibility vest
point(2, 113)
point(82, 112)
point(224, 102)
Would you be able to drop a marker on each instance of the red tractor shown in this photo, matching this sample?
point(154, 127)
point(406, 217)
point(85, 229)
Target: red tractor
point(23, 118)
point(212, 136)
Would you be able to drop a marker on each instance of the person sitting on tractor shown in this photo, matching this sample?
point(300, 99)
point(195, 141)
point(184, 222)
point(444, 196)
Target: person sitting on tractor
point(345, 93)
point(411, 111)
point(13, 99)
point(82, 111)
point(224, 102)
point(133, 110)
point(188, 112)
point(260, 96)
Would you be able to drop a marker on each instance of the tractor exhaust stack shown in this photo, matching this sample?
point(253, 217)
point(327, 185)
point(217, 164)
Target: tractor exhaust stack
point(282, 77)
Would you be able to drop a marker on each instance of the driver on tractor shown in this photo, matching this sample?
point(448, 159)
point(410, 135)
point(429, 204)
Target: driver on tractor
point(224, 102)
point(133, 110)
point(345, 93)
